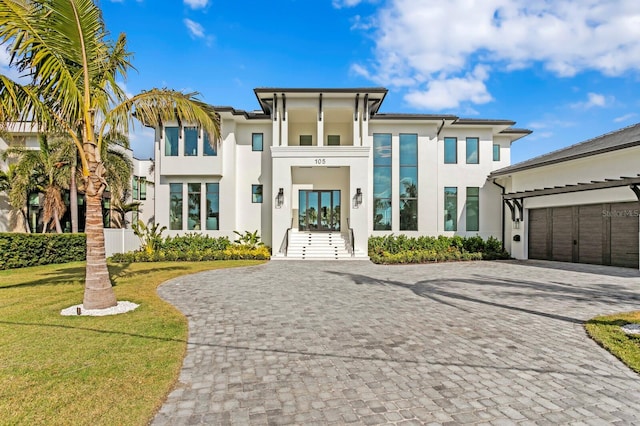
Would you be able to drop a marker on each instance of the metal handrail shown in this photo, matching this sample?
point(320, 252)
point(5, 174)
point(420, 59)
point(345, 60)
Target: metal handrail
point(352, 239)
point(286, 238)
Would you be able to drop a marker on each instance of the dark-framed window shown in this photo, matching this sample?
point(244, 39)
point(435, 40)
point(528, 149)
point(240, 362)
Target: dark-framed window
point(333, 140)
point(256, 193)
point(473, 208)
point(171, 136)
point(257, 141)
point(450, 208)
point(143, 188)
point(190, 141)
point(194, 191)
point(207, 149)
point(496, 152)
point(450, 150)
point(382, 181)
point(473, 150)
point(306, 140)
point(175, 206)
point(213, 206)
point(408, 182)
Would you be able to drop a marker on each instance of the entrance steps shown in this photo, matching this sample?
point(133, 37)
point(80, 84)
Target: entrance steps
point(319, 246)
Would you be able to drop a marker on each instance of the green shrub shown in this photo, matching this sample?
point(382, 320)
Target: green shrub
point(231, 252)
point(22, 250)
point(400, 249)
point(194, 242)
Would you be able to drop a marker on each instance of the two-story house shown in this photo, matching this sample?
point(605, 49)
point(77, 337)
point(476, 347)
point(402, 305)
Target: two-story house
point(318, 171)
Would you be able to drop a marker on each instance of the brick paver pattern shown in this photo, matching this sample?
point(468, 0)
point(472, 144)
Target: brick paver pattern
point(352, 342)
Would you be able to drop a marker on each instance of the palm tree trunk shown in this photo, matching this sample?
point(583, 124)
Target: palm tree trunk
point(73, 198)
point(98, 292)
point(56, 220)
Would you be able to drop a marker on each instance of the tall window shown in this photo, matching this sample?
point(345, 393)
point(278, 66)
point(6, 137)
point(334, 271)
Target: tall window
point(450, 208)
point(143, 188)
point(190, 141)
point(450, 150)
point(381, 181)
point(207, 149)
point(213, 201)
point(472, 150)
point(333, 140)
point(194, 190)
point(473, 209)
point(171, 135)
point(496, 152)
point(256, 141)
point(135, 188)
point(408, 182)
point(256, 193)
point(175, 206)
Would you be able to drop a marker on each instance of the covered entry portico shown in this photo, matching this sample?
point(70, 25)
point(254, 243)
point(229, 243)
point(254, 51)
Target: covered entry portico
point(319, 187)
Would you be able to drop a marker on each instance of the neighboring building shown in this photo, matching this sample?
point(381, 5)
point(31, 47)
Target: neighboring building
point(325, 165)
point(577, 204)
point(12, 220)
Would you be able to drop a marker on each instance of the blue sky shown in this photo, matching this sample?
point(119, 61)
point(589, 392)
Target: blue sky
point(566, 69)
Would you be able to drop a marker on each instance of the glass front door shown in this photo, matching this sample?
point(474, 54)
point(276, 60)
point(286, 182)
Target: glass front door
point(319, 210)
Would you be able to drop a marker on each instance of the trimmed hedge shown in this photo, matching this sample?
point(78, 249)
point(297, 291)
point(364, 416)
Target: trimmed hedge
point(232, 252)
point(22, 250)
point(392, 249)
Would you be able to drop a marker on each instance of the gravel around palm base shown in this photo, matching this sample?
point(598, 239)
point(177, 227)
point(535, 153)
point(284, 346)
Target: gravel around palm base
point(120, 308)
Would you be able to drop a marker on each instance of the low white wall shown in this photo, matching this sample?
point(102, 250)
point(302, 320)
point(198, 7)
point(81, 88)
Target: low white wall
point(120, 241)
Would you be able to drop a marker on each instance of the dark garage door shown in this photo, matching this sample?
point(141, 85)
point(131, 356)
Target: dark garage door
point(603, 234)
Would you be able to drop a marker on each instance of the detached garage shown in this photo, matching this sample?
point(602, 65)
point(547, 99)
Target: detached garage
point(579, 204)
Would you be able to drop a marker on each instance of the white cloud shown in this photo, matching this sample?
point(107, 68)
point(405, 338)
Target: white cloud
point(195, 29)
point(430, 46)
point(196, 4)
point(448, 93)
point(339, 4)
point(594, 100)
point(625, 117)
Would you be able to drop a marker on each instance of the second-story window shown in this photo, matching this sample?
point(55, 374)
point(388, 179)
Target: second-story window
point(207, 149)
point(450, 150)
point(306, 140)
point(190, 141)
point(496, 152)
point(473, 145)
point(257, 140)
point(171, 135)
point(333, 140)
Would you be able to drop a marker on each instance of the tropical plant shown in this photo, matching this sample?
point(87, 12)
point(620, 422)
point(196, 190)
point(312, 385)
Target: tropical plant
point(62, 48)
point(249, 239)
point(45, 171)
point(150, 236)
point(122, 208)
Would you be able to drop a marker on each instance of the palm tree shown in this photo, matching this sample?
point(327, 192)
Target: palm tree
point(45, 171)
point(63, 48)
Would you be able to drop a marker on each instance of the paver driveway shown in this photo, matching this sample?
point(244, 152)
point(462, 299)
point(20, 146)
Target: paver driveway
point(337, 342)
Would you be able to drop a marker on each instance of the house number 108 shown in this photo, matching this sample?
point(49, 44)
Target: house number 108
point(321, 160)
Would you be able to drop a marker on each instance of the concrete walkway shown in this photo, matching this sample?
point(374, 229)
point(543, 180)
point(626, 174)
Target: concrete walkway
point(340, 342)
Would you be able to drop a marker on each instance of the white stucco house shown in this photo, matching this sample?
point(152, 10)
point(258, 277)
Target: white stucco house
point(318, 171)
point(577, 204)
point(21, 134)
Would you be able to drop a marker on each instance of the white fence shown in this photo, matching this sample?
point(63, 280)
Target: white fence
point(120, 241)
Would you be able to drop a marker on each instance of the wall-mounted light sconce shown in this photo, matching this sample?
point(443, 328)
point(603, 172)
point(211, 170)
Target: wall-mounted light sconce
point(516, 224)
point(358, 196)
point(280, 197)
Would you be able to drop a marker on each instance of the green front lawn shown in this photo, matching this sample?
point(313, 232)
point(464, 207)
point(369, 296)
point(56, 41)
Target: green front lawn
point(606, 331)
point(89, 370)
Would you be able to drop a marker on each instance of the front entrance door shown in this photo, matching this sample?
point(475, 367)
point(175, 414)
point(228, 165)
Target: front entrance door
point(319, 210)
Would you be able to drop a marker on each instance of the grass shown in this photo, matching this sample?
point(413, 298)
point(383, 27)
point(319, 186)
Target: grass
point(78, 370)
point(606, 331)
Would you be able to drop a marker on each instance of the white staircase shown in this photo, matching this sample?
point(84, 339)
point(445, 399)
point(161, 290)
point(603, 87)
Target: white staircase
point(318, 246)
